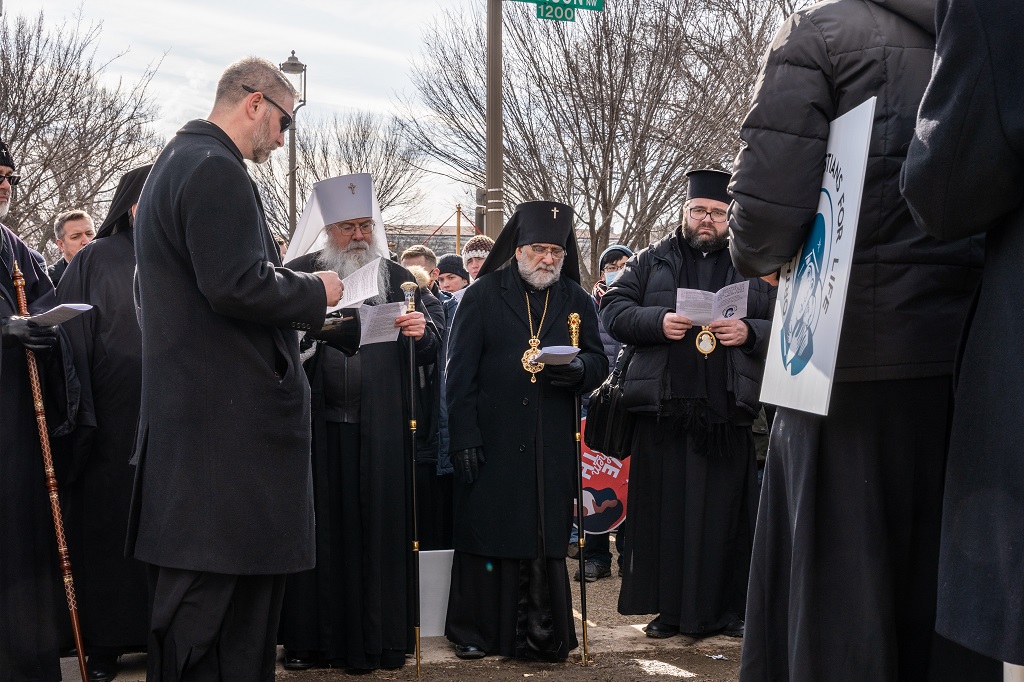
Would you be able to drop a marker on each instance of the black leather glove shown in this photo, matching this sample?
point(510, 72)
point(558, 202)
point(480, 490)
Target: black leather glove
point(566, 376)
point(19, 330)
point(467, 463)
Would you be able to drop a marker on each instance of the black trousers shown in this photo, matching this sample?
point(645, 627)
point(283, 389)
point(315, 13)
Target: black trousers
point(210, 626)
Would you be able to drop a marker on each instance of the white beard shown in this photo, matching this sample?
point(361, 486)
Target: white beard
point(354, 256)
point(5, 207)
point(540, 277)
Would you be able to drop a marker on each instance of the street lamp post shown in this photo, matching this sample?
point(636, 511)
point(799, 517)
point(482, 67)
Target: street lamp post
point(293, 67)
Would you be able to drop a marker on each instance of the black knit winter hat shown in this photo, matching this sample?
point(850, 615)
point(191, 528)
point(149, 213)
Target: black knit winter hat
point(452, 264)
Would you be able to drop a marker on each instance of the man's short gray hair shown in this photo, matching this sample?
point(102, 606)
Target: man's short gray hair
point(259, 74)
point(58, 224)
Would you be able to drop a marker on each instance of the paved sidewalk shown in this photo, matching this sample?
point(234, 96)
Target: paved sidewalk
point(617, 653)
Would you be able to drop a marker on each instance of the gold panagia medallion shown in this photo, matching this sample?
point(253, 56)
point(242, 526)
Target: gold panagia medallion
point(706, 341)
point(528, 364)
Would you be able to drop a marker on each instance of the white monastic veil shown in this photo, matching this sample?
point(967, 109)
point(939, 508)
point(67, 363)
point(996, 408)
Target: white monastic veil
point(346, 197)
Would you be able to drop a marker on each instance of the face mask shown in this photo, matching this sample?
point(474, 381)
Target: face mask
point(610, 277)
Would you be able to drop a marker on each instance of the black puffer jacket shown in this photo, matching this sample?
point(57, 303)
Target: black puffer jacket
point(633, 309)
point(908, 292)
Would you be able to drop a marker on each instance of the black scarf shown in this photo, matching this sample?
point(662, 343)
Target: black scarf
point(699, 393)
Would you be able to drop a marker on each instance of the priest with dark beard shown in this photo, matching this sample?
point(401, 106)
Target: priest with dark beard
point(355, 609)
point(512, 426)
point(693, 477)
point(107, 347)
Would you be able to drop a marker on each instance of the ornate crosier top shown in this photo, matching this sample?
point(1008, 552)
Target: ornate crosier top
point(534, 350)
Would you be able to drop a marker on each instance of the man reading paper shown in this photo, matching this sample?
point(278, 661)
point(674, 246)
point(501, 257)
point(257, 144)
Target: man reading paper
point(694, 388)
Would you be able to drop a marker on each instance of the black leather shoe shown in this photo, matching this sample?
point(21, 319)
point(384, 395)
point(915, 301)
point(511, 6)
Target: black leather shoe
point(734, 629)
point(101, 667)
point(659, 630)
point(299, 660)
point(468, 652)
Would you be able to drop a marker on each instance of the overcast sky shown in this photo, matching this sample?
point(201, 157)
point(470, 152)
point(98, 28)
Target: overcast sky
point(358, 52)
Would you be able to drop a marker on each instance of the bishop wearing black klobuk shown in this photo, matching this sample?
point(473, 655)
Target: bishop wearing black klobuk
point(107, 348)
point(513, 441)
point(354, 610)
point(692, 485)
point(29, 574)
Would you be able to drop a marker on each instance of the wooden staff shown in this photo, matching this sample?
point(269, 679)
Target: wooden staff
point(574, 335)
point(409, 288)
point(51, 479)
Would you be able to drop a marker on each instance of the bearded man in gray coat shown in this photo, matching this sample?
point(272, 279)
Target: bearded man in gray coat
point(223, 499)
point(844, 570)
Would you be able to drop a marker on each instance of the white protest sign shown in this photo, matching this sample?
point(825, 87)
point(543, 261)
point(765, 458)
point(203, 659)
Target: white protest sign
point(808, 319)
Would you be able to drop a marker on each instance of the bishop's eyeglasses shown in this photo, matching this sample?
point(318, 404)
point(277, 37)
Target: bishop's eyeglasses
point(557, 252)
point(365, 227)
point(286, 118)
point(13, 179)
point(718, 215)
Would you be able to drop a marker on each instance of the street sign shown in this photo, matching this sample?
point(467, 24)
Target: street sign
point(594, 5)
point(555, 12)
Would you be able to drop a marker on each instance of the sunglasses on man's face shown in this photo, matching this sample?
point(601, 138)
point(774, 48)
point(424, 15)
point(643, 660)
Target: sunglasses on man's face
point(13, 179)
point(286, 118)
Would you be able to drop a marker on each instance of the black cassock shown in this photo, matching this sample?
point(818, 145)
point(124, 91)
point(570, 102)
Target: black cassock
point(107, 347)
point(30, 586)
point(510, 589)
point(354, 609)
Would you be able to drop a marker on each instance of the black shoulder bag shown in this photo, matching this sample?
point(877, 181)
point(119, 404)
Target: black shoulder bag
point(609, 427)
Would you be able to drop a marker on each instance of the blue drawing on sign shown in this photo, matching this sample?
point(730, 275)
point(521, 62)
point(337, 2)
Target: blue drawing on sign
point(729, 312)
point(801, 317)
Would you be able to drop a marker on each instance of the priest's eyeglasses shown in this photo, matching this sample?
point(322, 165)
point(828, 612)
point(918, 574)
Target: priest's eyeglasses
point(718, 215)
point(557, 252)
point(286, 118)
point(365, 227)
point(13, 179)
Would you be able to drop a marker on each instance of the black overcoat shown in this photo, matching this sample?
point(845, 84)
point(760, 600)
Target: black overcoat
point(107, 347)
point(223, 481)
point(492, 404)
point(963, 177)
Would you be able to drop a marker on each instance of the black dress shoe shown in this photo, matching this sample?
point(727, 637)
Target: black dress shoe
point(299, 660)
point(468, 652)
point(734, 629)
point(660, 630)
point(101, 667)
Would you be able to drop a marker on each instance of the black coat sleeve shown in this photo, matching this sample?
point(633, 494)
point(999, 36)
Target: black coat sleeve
point(224, 236)
point(965, 166)
point(465, 347)
point(777, 175)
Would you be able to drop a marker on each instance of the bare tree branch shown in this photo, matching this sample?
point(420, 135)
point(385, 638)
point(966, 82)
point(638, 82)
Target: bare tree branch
point(71, 136)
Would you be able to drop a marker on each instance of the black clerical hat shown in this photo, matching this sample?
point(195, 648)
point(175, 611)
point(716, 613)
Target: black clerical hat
point(708, 184)
point(5, 156)
point(537, 222)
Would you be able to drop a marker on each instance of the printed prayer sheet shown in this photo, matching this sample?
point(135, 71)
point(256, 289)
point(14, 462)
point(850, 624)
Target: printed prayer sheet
point(378, 322)
point(60, 314)
point(557, 355)
point(359, 286)
point(703, 307)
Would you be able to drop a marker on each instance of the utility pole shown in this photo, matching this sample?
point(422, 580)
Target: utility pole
point(495, 146)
